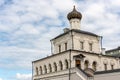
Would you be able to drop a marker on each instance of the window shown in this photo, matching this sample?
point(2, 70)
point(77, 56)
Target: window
point(59, 48)
point(45, 68)
point(105, 67)
point(90, 46)
point(94, 65)
point(65, 46)
point(61, 65)
point(40, 70)
point(86, 64)
point(50, 68)
point(55, 67)
point(78, 63)
point(112, 67)
point(66, 64)
point(81, 45)
point(36, 70)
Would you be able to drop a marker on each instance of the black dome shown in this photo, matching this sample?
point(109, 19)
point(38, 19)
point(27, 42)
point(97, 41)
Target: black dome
point(74, 14)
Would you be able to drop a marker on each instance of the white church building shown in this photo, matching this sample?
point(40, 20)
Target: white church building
point(77, 55)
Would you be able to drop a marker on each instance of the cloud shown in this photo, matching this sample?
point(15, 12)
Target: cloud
point(26, 27)
point(20, 58)
point(1, 79)
point(102, 18)
point(23, 76)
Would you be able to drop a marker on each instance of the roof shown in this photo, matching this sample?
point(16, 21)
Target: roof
point(118, 48)
point(79, 56)
point(116, 55)
point(95, 53)
point(77, 31)
point(76, 51)
point(108, 71)
point(50, 56)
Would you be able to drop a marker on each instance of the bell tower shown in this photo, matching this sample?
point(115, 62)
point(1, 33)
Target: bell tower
point(74, 38)
point(74, 18)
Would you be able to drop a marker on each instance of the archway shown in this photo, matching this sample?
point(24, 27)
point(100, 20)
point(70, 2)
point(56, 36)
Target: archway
point(40, 69)
point(50, 68)
point(61, 65)
point(86, 64)
point(66, 64)
point(55, 67)
point(94, 66)
point(45, 69)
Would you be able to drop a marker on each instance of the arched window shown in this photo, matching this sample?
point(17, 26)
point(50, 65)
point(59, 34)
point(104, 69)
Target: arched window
point(61, 65)
point(36, 70)
point(94, 65)
point(112, 67)
point(86, 64)
point(45, 69)
point(66, 64)
point(55, 66)
point(112, 64)
point(40, 69)
point(50, 68)
point(105, 67)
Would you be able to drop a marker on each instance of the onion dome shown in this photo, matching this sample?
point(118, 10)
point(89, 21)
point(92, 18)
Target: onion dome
point(74, 14)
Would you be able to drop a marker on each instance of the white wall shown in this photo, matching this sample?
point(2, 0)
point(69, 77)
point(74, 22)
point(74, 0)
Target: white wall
point(86, 39)
point(108, 76)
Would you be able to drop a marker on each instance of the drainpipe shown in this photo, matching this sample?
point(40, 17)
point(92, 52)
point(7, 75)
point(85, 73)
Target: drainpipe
point(70, 64)
point(72, 40)
point(70, 55)
point(32, 70)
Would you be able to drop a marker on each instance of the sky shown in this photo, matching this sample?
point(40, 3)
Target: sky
point(26, 27)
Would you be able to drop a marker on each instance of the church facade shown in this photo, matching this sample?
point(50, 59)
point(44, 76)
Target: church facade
point(76, 55)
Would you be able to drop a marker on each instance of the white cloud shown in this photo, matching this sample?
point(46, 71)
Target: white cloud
point(21, 57)
point(23, 76)
point(101, 17)
point(115, 3)
point(26, 27)
point(1, 79)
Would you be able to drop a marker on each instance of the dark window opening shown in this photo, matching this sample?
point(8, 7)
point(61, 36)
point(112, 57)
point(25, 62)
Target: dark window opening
point(90, 46)
point(81, 45)
point(59, 48)
point(78, 63)
point(65, 46)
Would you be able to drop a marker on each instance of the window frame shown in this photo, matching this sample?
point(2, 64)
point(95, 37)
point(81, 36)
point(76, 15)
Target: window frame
point(81, 45)
point(91, 46)
point(59, 48)
point(66, 46)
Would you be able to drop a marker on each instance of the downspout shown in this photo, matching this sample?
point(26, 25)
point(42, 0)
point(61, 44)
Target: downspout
point(32, 70)
point(70, 64)
point(70, 55)
point(72, 40)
